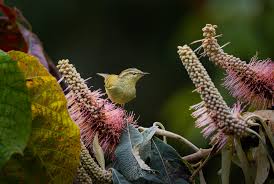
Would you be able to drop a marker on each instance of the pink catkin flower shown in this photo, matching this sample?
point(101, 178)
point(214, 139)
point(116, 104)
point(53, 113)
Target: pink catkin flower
point(212, 114)
point(92, 113)
point(251, 83)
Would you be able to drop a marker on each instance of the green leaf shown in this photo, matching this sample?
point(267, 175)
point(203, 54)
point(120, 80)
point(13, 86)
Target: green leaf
point(168, 162)
point(15, 109)
point(148, 134)
point(145, 149)
point(55, 138)
point(118, 178)
point(128, 161)
point(24, 169)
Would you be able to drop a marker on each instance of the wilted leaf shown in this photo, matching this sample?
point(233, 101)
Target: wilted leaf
point(168, 162)
point(98, 151)
point(55, 138)
point(141, 162)
point(117, 178)
point(262, 162)
point(127, 162)
point(15, 109)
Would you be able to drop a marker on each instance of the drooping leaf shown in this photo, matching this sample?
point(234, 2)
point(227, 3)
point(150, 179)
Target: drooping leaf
point(55, 138)
point(118, 178)
point(127, 158)
point(98, 151)
point(15, 109)
point(145, 148)
point(262, 162)
point(141, 163)
point(148, 134)
point(168, 162)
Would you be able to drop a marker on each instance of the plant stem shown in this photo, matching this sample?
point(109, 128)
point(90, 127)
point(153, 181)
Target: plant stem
point(202, 153)
point(162, 127)
point(174, 136)
point(226, 164)
point(202, 178)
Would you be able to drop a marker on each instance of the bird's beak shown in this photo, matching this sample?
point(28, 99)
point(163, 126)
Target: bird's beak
point(145, 73)
point(104, 75)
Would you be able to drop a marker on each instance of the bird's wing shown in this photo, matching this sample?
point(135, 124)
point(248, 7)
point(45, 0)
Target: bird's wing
point(111, 81)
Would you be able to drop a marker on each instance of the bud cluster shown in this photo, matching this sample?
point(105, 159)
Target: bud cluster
point(251, 83)
point(212, 113)
point(91, 112)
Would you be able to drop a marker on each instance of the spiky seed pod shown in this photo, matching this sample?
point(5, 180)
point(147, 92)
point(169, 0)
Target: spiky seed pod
point(93, 113)
point(212, 113)
point(97, 174)
point(251, 83)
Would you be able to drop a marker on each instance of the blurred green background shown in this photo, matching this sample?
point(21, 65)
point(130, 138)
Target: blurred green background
point(109, 36)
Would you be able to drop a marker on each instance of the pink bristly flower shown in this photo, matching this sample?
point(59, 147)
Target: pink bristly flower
point(92, 113)
point(212, 114)
point(252, 83)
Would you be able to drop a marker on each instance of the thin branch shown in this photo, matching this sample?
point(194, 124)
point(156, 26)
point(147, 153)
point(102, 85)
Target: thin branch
point(174, 136)
point(226, 164)
point(201, 154)
point(202, 178)
point(202, 165)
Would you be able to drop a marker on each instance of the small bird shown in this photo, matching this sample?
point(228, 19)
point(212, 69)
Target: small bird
point(122, 88)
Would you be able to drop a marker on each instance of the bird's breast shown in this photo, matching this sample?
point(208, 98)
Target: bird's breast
point(122, 92)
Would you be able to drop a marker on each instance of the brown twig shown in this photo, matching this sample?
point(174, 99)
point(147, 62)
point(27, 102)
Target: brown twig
point(201, 154)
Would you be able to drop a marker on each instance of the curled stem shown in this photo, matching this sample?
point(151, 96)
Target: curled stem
point(173, 136)
point(163, 128)
point(226, 164)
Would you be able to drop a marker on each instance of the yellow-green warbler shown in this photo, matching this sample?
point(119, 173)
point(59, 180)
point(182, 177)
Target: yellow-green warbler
point(122, 88)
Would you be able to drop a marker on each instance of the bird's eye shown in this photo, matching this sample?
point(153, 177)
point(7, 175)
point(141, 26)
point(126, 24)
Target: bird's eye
point(134, 73)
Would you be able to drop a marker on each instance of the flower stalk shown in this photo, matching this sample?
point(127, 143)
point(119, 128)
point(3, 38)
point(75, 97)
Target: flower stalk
point(251, 83)
point(92, 113)
point(212, 114)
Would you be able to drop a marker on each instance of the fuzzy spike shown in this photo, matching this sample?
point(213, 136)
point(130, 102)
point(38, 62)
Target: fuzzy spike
point(92, 113)
point(251, 83)
point(212, 113)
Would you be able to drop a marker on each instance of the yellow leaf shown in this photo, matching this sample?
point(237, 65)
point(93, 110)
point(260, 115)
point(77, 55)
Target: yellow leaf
point(55, 138)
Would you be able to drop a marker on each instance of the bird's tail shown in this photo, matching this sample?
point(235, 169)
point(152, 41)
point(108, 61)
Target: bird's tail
point(103, 74)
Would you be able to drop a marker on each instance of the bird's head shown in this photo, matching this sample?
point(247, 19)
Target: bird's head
point(132, 74)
